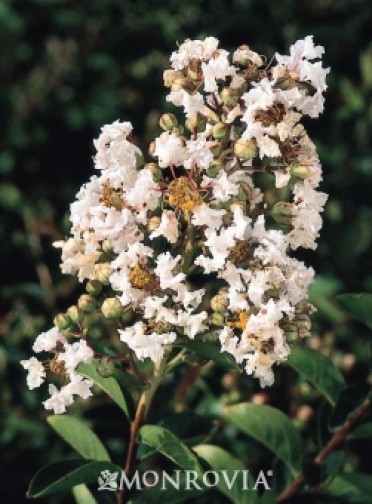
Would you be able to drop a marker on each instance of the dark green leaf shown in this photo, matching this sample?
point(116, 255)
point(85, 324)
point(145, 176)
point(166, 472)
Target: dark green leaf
point(350, 399)
point(359, 305)
point(212, 352)
point(318, 370)
point(231, 476)
point(108, 385)
point(272, 428)
point(352, 487)
point(363, 431)
point(166, 443)
point(62, 476)
point(83, 495)
point(78, 435)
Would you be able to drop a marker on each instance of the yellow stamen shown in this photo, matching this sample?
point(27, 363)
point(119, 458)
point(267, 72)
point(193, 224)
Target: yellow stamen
point(183, 194)
point(142, 278)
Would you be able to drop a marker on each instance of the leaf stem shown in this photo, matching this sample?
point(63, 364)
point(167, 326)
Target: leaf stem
point(143, 407)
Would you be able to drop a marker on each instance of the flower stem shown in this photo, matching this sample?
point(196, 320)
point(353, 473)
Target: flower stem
point(143, 407)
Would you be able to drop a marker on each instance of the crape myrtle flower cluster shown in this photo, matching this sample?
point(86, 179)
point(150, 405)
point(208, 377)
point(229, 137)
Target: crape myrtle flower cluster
point(197, 243)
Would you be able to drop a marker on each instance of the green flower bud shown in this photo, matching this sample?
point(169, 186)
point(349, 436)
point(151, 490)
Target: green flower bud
point(229, 96)
point(282, 213)
point(168, 121)
point(217, 319)
point(238, 205)
point(112, 308)
point(196, 122)
point(62, 321)
point(212, 116)
point(219, 302)
point(245, 149)
point(103, 272)
point(290, 332)
point(220, 131)
point(215, 148)
point(128, 315)
point(140, 161)
point(178, 130)
point(215, 168)
point(75, 315)
point(155, 170)
point(106, 367)
point(87, 303)
point(301, 171)
point(94, 287)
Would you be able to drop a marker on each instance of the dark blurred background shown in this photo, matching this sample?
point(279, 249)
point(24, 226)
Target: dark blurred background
point(67, 67)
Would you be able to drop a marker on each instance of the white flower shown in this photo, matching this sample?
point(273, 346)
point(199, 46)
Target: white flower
point(169, 150)
point(217, 68)
point(192, 103)
point(204, 215)
point(165, 264)
point(48, 340)
point(59, 399)
point(151, 345)
point(36, 372)
point(198, 153)
point(168, 227)
point(193, 49)
point(75, 354)
point(222, 187)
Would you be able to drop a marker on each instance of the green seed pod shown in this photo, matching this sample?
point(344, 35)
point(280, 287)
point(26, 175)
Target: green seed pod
point(87, 303)
point(94, 287)
point(103, 272)
point(168, 121)
point(112, 308)
point(245, 149)
point(62, 321)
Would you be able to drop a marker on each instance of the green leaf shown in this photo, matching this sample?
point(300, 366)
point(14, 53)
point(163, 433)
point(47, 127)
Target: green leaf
point(230, 470)
point(64, 475)
point(108, 385)
point(83, 495)
point(363, 431)
point(272, 428)
point(78, 435)
point(127, 380)
point(359, 305)
point(169, 445)
point(191, 428)
point(318, 370)
point(351, 398)
point(352, 487)
point(212, 352)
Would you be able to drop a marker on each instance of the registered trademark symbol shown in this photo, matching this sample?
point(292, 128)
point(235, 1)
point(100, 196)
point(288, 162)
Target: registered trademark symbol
point(269, 472)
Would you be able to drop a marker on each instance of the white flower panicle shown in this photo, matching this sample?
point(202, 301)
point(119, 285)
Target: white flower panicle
point(190, 245)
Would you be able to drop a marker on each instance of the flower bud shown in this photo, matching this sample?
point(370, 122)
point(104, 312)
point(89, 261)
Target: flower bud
point(112, 308)
point(219, 302)
point(290, 332)
point(180, 83)
point(238, 205)
point(301, 171)
point(220, 131)
point(168, 121)
point(94, 287)
point(212, 117)
point(215, 168)
point(217, 319)
point(215, 148)
point(62, 321)
point(106, 367)
point(155, 170)
point(178, 130)
point(75, 315)
point(151, 149)
point(282, 213)
point(229, 96)
point(103, 272)
point(245, 149)
point(106, 247)
point(127, 315)
point(170, 76)
point(140, 160)
point(153, 224)
point(196, 122)
point(87, 303)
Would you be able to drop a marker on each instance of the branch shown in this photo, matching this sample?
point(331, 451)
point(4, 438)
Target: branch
point(332, 444)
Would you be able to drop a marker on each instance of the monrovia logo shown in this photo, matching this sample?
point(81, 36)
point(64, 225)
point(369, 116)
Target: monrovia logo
point(184, 480)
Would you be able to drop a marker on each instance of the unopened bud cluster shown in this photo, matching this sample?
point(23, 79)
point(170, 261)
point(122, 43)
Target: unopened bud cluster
point(190, 244)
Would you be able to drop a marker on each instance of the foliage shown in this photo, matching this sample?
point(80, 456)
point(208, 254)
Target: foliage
point(68, 67)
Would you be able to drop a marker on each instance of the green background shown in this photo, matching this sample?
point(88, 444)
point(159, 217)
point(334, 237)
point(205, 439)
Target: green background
point(68, 67)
